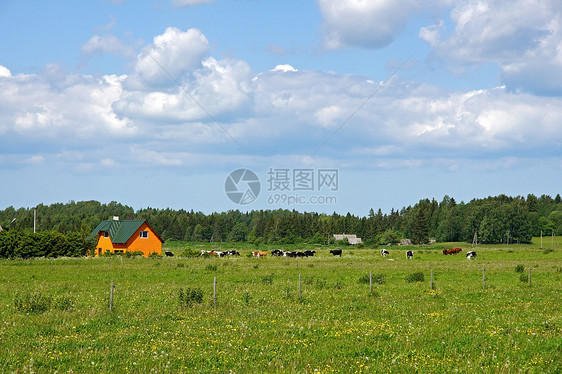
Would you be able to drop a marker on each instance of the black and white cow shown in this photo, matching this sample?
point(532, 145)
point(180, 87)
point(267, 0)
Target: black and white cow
point(410, 255)
point(229, 253)
point(169, 254)
point(336, 252)
point(309, 253)
point(470, 255)
point(277, 252)
point(384, 252)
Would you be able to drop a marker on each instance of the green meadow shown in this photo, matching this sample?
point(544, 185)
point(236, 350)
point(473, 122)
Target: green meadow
point(481, 315)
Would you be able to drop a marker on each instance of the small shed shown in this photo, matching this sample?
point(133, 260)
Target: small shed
point(351, 238)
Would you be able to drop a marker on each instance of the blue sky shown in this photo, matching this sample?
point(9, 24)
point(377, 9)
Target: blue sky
point(155, 103)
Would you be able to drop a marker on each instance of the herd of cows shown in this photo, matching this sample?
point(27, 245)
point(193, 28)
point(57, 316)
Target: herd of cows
point(335, 252)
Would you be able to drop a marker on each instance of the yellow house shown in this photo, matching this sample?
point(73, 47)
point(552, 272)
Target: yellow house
point(119, 236)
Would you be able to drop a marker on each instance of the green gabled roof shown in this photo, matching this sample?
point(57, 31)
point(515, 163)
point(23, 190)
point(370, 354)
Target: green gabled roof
point(119, 231)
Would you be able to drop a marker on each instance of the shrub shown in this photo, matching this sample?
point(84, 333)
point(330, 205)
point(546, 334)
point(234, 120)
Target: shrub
point(519, 268)
point(189, 252)
point(415, 277)
point(32, 303)
point(211, 267)
point(190, 296)
point(267, 279)
point(524, 278)
point(548, 250)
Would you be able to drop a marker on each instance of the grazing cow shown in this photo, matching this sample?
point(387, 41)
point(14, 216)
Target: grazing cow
point(309, 253)
point(452, 251)
point(336, 252)
point(209, 253)
point(259, 253)
point(169, 254)
point(470, 255)
point(291, 254)
point(277, 252)
point(410, 255)
point(229, 253)
point(384, 252)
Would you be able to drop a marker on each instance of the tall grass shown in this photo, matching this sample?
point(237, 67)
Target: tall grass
point(260, 324)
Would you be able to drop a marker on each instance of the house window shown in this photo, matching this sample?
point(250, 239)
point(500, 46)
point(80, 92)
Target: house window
point(105, 234)
point(144, 234)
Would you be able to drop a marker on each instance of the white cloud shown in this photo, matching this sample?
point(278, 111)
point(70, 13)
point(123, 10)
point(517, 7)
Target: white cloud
point(280, 114)
point(523, 37)
point(216, 88)
point(78, 109)
point(171, 55)
point(371, 24)
point(284, 68)
point(107, 44)
point(5, 72)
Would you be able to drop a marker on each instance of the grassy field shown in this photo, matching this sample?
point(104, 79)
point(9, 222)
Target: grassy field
point(55, 315)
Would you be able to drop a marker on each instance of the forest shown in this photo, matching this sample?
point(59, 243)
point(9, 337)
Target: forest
point(498, 219)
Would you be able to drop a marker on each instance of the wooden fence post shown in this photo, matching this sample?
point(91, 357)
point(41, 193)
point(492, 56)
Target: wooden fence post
point(483, 277)
point(111, 297)
point(432, 279)
point(300, 289)
point(529, 276)
point(370, 282)
point(215, 291)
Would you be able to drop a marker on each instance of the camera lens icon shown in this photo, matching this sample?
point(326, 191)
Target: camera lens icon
point(242, 186)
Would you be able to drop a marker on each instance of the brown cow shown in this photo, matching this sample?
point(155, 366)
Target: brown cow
point(452, 251)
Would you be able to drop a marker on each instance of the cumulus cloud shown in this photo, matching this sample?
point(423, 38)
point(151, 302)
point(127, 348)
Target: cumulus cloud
point(79, 109)
point(283, 112)
point(172, 55)
point(370, 24)
point(523, 37)
point(5, 72)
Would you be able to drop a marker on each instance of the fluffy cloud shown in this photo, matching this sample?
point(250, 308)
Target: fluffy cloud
point(284, 112)
point(523, 37)
point(370, 24)
point(5, 72)
point(79, 108)
point(172, 55)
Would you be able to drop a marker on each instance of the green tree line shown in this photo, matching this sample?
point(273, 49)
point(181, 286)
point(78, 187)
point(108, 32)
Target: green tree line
point(498, 219)
point(24, 244)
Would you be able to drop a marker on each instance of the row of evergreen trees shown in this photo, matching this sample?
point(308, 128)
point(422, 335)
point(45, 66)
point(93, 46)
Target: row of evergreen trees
point(498, 219)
